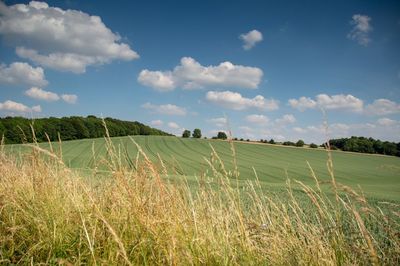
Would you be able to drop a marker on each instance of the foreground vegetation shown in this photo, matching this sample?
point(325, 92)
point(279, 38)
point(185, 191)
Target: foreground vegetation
point(139, 213)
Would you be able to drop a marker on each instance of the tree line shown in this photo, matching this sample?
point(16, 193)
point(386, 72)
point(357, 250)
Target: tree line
point(366, 145)
point(18, 129)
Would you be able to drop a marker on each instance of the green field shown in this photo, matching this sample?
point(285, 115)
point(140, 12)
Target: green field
point(378, 176)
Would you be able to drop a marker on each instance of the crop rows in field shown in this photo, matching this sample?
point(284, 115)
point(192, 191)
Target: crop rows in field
point(378, 175)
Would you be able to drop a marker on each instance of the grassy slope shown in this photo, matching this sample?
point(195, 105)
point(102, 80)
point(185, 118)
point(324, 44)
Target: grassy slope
point(379, 176)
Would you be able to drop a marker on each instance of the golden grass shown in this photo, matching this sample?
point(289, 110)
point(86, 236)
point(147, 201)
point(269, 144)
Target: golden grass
point(137, 215)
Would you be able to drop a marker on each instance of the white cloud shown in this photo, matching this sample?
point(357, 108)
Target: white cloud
point(219, 121)
point(36, 108)
point(157, 123)
point(324, 101)
point(165, 109)
point(161, 81)
point(235, 101)
point(340, 101)
point(257, 119)
point(382, 107)
point(69, 98)
point(361, 29)
point(299, 130)
point(302, 103)
point(19, 73)
point(250, 39)
point(386, 122)
point(12, 106)
point(286, 119)
point(247, 132)
point(384, 129)
point(38, 93)
point(66, 40)
point(173, 125)
point(190, 74)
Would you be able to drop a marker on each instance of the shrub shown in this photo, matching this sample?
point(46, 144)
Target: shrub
point(313, 145)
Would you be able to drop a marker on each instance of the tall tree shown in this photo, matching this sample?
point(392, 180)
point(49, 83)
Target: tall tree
point(196, 133)
point(186, 134)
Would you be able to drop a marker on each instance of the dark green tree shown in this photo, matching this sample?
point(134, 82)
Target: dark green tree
point(196, 133)
point(389, 148)
point(289, 143)
point(221, 135)
point(186, 134)
point(300, 143)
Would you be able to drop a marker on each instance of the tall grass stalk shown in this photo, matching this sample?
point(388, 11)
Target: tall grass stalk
point(50, 214)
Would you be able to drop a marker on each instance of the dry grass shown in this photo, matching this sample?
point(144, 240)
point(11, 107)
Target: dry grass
point(52, 215)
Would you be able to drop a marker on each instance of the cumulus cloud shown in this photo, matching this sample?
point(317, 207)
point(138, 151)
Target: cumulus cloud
point(218, 121)
point(324, 101)
point(286, 119)
point(190, 74)
point(235, 101)
point(173, 125)
point(66, 40)
point(156, 123)
point(161, 81)
point(361, 29)
point(38, 93)
point(257, 119)
point(12, 106)
point(382, 107)
point(69, 98)
point(165, 109)
point(302, 103)
point(19, 73)
point(250, 39)
point(340, 101)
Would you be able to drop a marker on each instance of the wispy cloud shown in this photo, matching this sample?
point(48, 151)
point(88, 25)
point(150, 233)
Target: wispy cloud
point(156, 123)
point(361, 29)
point(165, 109)
point(257, 119)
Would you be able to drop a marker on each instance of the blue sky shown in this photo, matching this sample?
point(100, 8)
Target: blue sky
point(268, 67)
